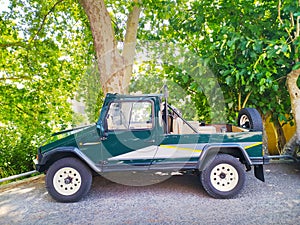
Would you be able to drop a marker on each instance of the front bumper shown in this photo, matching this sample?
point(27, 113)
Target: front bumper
point(38, 167)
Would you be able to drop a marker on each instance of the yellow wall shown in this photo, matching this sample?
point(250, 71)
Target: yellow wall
point(272, 136)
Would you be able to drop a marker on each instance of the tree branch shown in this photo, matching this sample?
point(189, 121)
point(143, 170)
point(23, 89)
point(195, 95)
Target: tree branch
point(15, 78)
point(246, 99)
point(297, 33)
point(22, 110)
point(44, 20)
point(239, 100)
point(130, 40)
point(280, 20)
point(11, 44)
point(131, 32)
point(292, 19)
point(280, 78)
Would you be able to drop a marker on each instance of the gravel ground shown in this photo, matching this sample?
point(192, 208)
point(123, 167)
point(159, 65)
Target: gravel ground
point(178, 200)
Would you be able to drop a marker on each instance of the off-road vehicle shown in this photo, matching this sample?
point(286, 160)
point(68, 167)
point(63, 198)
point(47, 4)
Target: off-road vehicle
point(145, 134)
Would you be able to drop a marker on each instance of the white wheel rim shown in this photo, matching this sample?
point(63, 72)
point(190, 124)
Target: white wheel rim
point(224, 177)
point(67, 181)
point(243, 120)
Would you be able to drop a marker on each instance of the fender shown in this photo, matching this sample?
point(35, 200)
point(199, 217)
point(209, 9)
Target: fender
point(211, 150)
point(43, 159)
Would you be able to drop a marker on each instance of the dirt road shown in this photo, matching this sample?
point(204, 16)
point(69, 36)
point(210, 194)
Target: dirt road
point(178, 200)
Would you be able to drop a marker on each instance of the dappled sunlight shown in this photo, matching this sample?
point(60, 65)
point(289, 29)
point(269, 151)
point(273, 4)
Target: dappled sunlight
point(6, 207)
point(20, 191)
point(177, 200)
point(19, 197)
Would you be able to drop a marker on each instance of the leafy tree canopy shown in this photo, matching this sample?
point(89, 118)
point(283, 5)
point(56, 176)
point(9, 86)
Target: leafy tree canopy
point(45, 47)
point(250, 46)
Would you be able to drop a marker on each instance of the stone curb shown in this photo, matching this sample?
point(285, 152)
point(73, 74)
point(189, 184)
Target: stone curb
point(15, 184)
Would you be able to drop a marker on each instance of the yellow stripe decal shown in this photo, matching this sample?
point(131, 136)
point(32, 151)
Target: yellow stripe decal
point(256, 144)
point(180, 148)
point(196, 150)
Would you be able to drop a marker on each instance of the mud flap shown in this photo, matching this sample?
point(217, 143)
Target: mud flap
point(259, 172)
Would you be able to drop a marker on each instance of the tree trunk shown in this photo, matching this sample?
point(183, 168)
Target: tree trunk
point(281, 140)
point(294, 91)
point(115, 69)
point(130, 43)
point(265, 136)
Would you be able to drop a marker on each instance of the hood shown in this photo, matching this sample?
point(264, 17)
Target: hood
point(77, 129)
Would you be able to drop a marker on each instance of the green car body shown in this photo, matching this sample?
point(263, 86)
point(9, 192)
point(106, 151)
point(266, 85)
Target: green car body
point(140, 140)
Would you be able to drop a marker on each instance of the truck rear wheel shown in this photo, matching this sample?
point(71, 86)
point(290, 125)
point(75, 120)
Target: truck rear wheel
point(223, 177)
point(68, 180)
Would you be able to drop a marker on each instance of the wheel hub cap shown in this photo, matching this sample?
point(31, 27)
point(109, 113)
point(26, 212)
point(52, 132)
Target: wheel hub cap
point(244, 121)
point(224, 177)
point(67, 181)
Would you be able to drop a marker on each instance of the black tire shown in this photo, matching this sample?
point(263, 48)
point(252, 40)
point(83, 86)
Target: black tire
point(68, 180)
point(223, 177)
point(250, 118)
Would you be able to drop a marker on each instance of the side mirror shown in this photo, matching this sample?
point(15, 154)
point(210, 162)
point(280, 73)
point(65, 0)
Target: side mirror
point(102, 129)
point(105, 129)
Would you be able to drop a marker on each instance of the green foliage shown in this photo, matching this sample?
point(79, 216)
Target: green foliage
point(244, 48)
point(18, 148)
point(43, 56)
point(150, 78)
point(89, 91)
point(248, 47)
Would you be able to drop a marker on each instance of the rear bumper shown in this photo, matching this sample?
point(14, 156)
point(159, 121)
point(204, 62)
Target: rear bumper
point(260, 160)
point(269, 158)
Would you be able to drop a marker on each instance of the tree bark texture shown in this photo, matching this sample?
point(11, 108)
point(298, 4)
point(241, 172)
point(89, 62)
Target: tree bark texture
point(294, 91)
point(281, 140)
point(130, 43)
point(115, 68)
point(265, 136)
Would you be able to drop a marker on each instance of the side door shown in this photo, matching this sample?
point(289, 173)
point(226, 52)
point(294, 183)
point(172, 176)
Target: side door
point(130, 141)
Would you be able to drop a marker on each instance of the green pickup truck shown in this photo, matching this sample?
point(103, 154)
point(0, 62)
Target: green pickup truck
point(145, 134)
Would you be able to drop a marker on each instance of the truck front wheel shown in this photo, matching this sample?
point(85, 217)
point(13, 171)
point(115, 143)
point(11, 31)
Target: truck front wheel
point(68, 180)
point(223, 177)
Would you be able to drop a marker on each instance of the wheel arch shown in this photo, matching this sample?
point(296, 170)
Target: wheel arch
point(48, 158)
point(235, 150)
